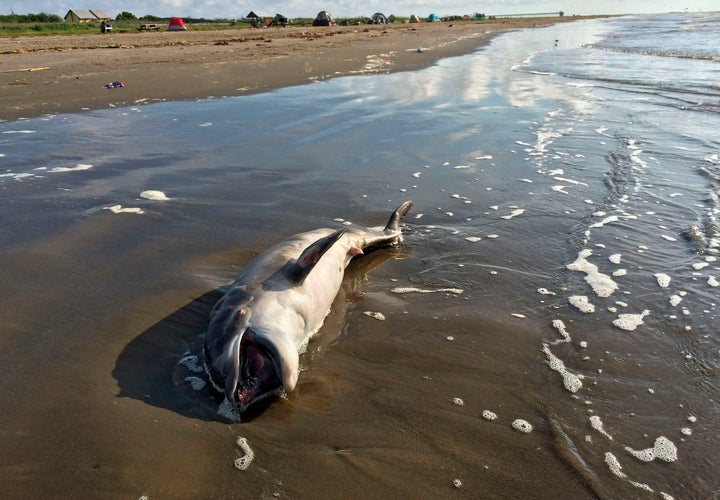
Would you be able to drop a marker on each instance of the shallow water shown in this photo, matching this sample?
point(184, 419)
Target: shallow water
point(537, 178)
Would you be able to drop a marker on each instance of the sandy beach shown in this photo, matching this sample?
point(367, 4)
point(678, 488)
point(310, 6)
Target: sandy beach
point(59, 74)
point(547, 329)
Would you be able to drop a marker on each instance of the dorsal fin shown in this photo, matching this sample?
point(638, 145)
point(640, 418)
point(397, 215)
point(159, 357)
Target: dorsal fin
point(311, 255)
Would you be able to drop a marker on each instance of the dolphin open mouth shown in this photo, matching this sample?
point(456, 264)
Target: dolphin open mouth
point(259, 372)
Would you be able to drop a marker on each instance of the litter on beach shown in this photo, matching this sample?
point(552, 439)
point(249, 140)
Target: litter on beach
point(114, 85)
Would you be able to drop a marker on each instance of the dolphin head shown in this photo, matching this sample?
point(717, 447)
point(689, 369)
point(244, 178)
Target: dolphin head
point(259, 371)
point(245, 365)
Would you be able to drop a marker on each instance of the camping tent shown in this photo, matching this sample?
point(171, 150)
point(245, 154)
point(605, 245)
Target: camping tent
point(324, 18)
point(414, 19)
point(176, 24)
point(379, 18)
point(433, 18)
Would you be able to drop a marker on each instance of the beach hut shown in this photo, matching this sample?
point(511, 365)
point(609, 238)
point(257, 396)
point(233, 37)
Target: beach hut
point(379, 18)
point(176, 24)
point(324, 18)
point(414, 19)
point(86, 16)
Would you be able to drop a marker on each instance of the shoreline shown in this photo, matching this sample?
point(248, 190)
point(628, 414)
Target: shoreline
point(66, 73)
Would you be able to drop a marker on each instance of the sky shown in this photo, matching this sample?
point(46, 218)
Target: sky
point(235, 9)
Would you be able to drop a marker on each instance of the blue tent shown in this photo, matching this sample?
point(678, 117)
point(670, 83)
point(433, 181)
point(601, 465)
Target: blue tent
point(432, 17)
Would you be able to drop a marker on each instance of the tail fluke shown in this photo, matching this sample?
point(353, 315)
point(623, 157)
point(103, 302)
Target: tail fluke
point(393, 225)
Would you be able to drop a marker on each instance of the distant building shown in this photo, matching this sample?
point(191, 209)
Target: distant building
point(86, 16)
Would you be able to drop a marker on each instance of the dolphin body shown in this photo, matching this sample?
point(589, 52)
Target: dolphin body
point(267, 316)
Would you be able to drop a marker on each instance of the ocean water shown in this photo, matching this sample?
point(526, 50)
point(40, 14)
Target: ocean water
point(563, 251)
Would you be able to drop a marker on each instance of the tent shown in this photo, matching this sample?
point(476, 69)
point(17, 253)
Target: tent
point(324, 18)
point(433, 18)
point(176, 24)
point(414, 19)
point(379, 18)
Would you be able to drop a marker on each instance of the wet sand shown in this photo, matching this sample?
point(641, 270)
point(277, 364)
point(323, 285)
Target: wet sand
point(59, 74)
point(96, 314)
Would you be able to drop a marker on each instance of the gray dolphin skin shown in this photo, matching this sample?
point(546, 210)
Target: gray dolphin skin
point(280, 299)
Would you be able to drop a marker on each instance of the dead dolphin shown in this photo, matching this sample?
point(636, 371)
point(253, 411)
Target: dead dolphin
point(280, 299)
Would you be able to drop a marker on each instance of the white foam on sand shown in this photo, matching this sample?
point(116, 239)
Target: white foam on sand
point(243, 462)
point(597, 424)
point(409, 289)
point(196, 383)
point(582, 303)
point(614, 466)
point(630, 322)
point(152, 194)
point(663, 280)
point(522, 425)
point(488, 415)
point(602, 284)
point(118, 209)
point(77, 168)
point(375, 315)
point(606, 220)
point(675, 300)
point(663, 449)
point(560, 327)
point(615, 258)
point(572, 382)
point(516, 212)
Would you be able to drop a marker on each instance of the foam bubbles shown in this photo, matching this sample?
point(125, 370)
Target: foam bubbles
point(119, 209)
point(614, 466)
point(152, 194)
point(409, 289)
point(196, 383)
point(582, 303)
point(488, 415)
point(560, 327)
point(516, 212)
point(375, 315)
point(572, 382)
point(597, 424)
point(522, 425)
point(191, 363)
point(662, 449)
point(663, 280)
point(630, 322)
point(76, 168)
point(602, 284)
point(243, 462)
